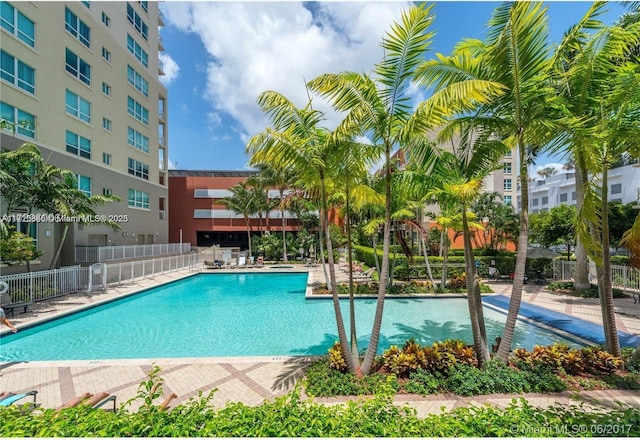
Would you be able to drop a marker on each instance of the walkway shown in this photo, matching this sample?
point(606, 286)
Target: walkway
point(252, 379)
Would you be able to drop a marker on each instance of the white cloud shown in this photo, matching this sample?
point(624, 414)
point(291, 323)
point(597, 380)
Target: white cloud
point(259, 46)
point(170, 68)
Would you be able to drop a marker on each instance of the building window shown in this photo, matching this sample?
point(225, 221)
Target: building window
point(77, 27)
point(508, 155)
point(507, 167)
point(573, 195)
point(106, 89)
point(106, 124)
point(137, 140)
point(106, 54)
point(106, 20)
point(138, 169)
point(106, 158)
point(16, 23)
point(78, 67)
point(78, 107)
point(507, 185)
point(84, 184)
point(144, 6)
point(616, 189)
point(138, 199)
point(78, 145)
point(87, 4)
point(106, 191)
point(534, 202)
point(563, 197)
point(137, 51)
point(25, 123)
point(137, 110)
point(137, 22)
point(545, 200)
point(507, 200)
point(137, 81)
point(17, 73)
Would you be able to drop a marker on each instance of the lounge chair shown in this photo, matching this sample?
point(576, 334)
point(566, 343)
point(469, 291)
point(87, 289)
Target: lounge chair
point(7, 399)
point(93, 400)
point(364, 276)
point(232, 263)
point(242, 262)
point(215, 264)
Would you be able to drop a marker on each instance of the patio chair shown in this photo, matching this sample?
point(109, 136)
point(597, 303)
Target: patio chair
point(364, 276)
point(7, 399)
point(242, 262)
point(232, 263)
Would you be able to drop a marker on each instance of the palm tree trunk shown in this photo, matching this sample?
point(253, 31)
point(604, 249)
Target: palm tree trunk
point(521, 259)
point(426, 261)
point(352, 306)
point(581, 282)
point(474, 298)
point(445, 259)
point(604, 277)
point(342, 333)
point(56, 256)
point(284, 226)
point(384, 271)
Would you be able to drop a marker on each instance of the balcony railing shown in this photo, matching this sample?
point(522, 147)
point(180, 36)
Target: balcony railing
point(93, 254)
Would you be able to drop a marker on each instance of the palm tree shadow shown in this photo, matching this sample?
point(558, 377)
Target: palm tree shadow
point(294, 370)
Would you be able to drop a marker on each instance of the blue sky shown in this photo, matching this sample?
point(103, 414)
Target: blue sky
point(219, 56)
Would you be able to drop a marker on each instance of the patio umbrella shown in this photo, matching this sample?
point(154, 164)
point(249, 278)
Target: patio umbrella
point(541, 252)
point(312, 251)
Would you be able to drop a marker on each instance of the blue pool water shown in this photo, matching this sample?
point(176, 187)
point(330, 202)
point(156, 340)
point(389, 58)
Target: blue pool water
point(242, 315)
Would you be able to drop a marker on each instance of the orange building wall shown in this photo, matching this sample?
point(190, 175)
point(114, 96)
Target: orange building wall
point(183, 204)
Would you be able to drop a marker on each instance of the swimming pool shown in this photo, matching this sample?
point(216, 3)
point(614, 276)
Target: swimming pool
point(211, 315)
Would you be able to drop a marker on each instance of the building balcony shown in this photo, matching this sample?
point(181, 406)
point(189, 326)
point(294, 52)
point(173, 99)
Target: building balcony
point(160, 43)
point(160, 68)
point(160, 18)
point(161, 117)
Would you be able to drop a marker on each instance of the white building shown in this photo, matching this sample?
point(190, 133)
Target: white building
point(544, 194)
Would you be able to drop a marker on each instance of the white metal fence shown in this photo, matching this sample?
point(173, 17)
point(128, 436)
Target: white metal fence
point(26, 288)
point(92, 254)
point(622, 277)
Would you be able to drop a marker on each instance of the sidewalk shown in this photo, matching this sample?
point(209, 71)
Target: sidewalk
point(253, 379)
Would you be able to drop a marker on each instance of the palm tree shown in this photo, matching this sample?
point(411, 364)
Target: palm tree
point(69, 201)
point(378, 106)
point(296, 141)
point(282, 180)
point(456, 180)
point(242, 201)
point(597, 83)
point(511, 69)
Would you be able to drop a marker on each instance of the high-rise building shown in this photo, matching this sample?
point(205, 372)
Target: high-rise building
point(84, 77)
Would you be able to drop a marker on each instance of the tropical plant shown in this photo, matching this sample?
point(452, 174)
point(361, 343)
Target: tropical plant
point(378, 106)
point(242, 201)
point(295, 140)
point(510, 68)
point(598, 93)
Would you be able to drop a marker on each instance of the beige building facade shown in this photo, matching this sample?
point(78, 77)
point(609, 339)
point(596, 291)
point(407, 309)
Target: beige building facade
point(84, 77)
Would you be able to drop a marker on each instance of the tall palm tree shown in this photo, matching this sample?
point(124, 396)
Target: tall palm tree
point(295, 140)
point(512, 66)
point(242, 201)
point(596, 79)
point(378, 106)
point(282, 180)
point(456, 180)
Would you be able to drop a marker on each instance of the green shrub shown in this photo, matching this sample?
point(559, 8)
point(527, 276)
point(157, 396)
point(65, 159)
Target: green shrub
point(630, 381)
point(423, 382)
point(498, 377)
point(323, 381)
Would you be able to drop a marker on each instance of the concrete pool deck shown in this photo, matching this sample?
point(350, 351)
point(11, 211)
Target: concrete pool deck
point(251, 380)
